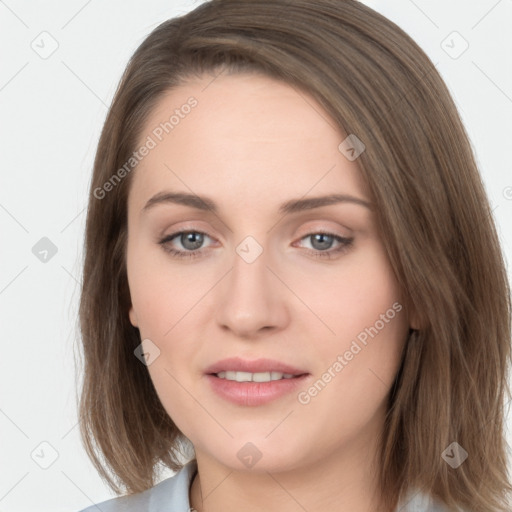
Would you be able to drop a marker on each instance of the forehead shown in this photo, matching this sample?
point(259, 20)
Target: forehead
point(246, 135)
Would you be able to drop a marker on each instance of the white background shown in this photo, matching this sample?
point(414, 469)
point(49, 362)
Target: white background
point(52, 112)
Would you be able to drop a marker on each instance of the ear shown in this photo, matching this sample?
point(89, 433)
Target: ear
point(415, 321)
point(133, 317)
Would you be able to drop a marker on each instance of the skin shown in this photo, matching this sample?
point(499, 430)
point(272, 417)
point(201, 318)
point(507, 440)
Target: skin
point(251, 144)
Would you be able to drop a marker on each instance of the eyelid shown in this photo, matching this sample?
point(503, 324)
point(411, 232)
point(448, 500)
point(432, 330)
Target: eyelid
point(344, 244)
point(303, 231)
point(341, 230)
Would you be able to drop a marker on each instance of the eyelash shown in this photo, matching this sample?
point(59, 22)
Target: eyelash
point(345, 244)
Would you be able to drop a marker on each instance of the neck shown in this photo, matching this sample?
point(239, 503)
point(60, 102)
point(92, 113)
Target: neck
point(344, 480)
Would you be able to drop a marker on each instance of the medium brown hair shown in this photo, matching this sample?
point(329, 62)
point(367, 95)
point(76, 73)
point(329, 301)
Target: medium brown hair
point(434, 216)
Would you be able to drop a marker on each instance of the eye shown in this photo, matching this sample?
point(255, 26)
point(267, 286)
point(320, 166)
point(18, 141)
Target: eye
point(322, 244)
point(192, 240)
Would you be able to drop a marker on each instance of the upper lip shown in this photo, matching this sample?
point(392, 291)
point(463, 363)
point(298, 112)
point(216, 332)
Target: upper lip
point(252, 366)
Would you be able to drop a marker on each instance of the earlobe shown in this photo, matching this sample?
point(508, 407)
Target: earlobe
point(415, 322)
point(133, 317)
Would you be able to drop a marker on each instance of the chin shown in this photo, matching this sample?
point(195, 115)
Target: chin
point(259, 456)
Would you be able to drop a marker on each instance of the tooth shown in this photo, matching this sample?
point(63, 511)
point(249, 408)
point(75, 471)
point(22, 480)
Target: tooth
point(243, 376)
point(261, 377)
point(253, 377)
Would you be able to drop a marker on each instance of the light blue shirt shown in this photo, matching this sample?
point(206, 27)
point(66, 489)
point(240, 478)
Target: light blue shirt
point(171, 495)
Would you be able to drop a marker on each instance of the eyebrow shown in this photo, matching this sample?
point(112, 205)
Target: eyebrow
point(291, 206)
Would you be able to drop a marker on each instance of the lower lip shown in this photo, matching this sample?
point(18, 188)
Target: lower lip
point(254, 393)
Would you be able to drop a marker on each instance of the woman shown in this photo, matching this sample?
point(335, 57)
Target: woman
point(291, 268)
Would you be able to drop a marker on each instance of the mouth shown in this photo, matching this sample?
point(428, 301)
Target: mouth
point(254, 377)
point(256, 370)
point(256, 382)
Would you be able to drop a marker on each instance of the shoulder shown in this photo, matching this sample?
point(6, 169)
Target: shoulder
point(171, 492)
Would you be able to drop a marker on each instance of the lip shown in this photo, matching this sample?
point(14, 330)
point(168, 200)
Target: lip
point(253, 393)
point(238, 364)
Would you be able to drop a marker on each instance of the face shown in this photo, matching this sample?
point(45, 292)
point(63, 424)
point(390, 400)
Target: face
point(262, 281)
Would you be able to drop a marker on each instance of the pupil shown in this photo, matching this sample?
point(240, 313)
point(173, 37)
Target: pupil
point(322, 237)
point(195, 238)
point(320, 241)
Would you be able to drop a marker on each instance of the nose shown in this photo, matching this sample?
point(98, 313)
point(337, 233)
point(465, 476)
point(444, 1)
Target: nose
point(252, 300)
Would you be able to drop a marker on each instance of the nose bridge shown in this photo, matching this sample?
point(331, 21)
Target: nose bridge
point(251, 299)
point(249, 278)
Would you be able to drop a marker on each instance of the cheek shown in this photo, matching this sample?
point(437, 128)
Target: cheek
point(375, 319)
point(351, 296)
point(164, 305)
point(160, 298)
point(372, 329)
